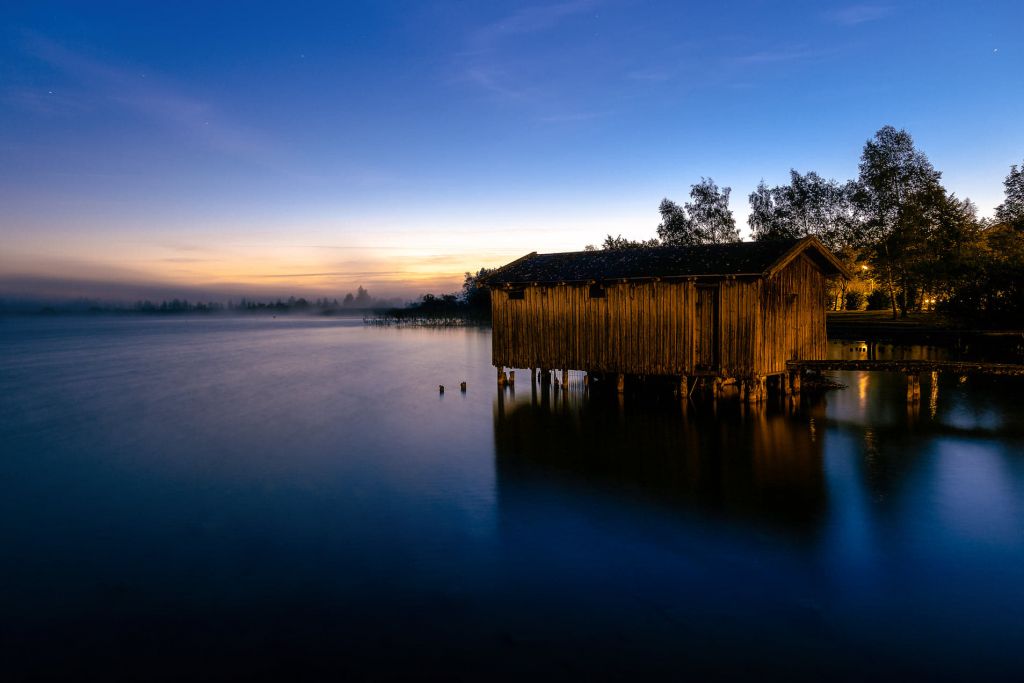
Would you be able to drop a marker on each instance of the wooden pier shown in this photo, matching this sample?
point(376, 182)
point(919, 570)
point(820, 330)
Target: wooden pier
point(911, 368)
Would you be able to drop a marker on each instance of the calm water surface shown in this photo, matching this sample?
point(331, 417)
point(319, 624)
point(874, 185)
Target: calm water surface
point(263, 497)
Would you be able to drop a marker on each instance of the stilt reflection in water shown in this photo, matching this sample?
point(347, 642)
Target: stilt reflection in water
point(760, 462)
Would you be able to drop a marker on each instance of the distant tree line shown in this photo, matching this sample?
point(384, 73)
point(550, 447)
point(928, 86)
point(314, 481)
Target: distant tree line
point(360, 301)
point(913, 244)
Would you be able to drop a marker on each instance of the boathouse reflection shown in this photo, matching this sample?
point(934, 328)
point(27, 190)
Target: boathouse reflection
point(760, 463)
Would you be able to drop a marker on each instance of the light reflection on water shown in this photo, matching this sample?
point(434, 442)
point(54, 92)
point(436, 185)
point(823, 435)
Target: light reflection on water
point(260, 496)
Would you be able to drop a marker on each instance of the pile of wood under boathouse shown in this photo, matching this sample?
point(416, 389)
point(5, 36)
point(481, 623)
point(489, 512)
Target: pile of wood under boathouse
point(722, 313)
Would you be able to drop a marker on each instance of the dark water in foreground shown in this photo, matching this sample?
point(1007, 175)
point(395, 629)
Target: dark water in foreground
point(261, 497)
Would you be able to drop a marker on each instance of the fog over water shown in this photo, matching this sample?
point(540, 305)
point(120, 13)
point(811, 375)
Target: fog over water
point(256, 496)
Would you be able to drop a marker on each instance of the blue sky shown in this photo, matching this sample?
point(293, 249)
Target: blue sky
point(279, 148)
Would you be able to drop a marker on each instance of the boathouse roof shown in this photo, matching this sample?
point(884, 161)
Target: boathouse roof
point(643, 263)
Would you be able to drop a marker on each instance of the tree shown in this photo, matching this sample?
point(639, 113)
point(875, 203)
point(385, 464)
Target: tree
point(705, 219)
point(675, 227)
point(363, 299)
point(1011, 211)
point(897, 195)
point(809, 205)
point(619, 242)
point(985, 271)
point(475, 295)
point(710, 213)
point(765, 218)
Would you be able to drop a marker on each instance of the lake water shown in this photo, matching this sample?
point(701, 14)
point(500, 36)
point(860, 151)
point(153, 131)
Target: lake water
point(214, 497)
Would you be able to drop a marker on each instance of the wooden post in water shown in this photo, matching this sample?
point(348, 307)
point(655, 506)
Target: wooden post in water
point(684, 387)
point(755, 389)
point(501, 377)
point(620, 384)
point(511, 377)
point(462, 387)
point(794, 381)
point(913, 387)
point(565, 378)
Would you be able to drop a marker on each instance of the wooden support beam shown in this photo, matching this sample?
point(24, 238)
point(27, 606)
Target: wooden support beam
point(754, 389)
point(684, 387)
point(913, 387)
point(794, 381)
point(501, 377)
point(565, 378)
point(620, 384)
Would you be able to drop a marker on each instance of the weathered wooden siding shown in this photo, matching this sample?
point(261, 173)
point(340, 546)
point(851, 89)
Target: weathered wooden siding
point(739, 330)
point(652, 328)
point(638, 328)
point(792, 316)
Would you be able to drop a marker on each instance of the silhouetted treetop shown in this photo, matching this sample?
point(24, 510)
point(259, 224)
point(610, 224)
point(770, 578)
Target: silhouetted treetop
point(705, 219)
point(1011, 211)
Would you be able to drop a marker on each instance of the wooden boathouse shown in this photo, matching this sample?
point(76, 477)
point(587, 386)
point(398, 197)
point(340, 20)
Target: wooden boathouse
point(719, 314)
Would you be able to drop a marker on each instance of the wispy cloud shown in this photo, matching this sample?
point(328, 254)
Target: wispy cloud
point(138, 90)
point(526, 21)
point(573, 117)
point(492, 81)
point(778, 55)
point(653, 75)
point(854, 15)
point(491, 62)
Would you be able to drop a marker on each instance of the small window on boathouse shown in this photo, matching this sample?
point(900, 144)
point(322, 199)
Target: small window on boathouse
point(597, 292)
point(516, 294)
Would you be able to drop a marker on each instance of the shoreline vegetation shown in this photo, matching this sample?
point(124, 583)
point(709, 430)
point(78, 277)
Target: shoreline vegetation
point(469, 308)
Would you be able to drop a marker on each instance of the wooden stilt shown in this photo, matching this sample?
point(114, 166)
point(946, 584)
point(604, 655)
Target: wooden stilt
point(684, 387)
point(913, 387)
point(620, 384)
point(533, 375)
point(462, 387)
point(755, 390)
point(565, 378)
point(511, 377)
point(794, 382)
point(501, 377)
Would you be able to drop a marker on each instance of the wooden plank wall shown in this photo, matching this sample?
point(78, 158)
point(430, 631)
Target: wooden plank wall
point(740, 327)
point(638, 328)
point(792, 317)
